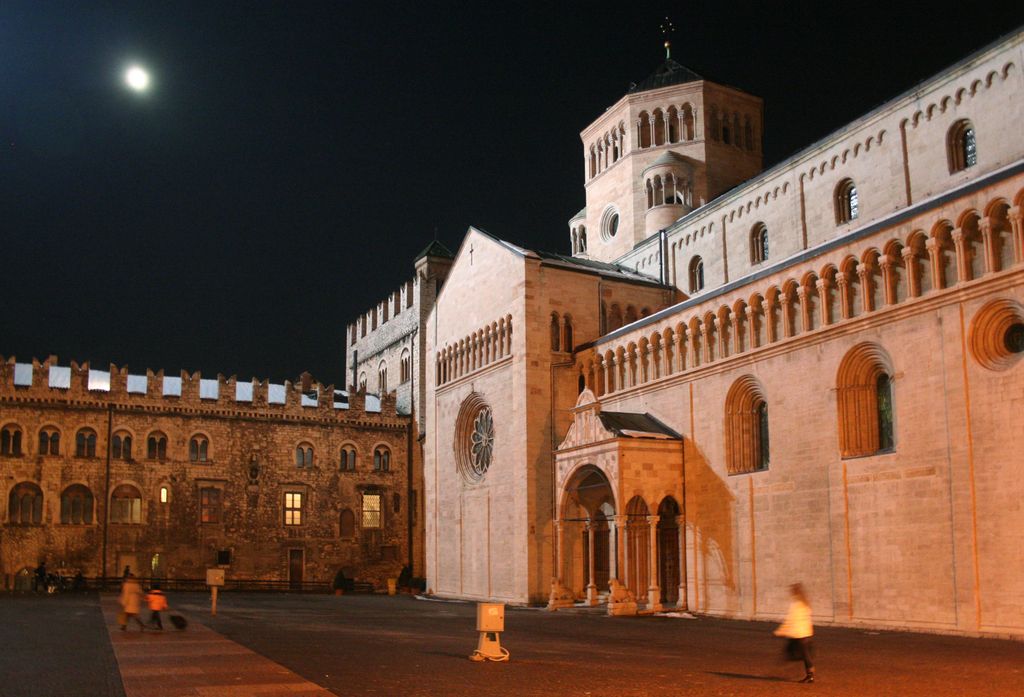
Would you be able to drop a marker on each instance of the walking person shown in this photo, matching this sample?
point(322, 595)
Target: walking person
point(157, 602)
point(131, 602)
point(797, 628)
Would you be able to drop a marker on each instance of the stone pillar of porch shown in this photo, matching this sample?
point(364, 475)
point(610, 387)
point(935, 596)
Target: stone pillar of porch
point(591, 584)
point(560, 596)
point(621, 600)
point(683, 602)
point(653, 590)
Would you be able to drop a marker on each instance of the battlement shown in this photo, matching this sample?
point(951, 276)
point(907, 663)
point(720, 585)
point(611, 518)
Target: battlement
point(47, 380)
point(402, 300)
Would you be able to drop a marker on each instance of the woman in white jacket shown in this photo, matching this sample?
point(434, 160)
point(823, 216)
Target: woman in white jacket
point(798, 629)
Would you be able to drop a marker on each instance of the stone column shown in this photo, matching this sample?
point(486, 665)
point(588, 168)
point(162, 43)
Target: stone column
point(913, 279)
point(624, 545)
point(805, 310)
point(751, 328)
point(769, 326)
point(1017, 224)
point(935, 259)
point(613, 546)
point(991, 258)
point(963, 265)
point(844, 294)
point(864, 274)
point(653, 590)
point(822, 285)
point(787, 321)
point(667, 358)
point(888, 279)
point(681, 350)
point(683, 602)
point(591, 584)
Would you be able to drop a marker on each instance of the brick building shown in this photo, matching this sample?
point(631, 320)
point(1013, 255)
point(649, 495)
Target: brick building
point(744, 378)
point(283, 482)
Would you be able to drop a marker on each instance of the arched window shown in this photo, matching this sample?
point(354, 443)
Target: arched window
point(746, 427)
point(404, 370)
point(362, 381)
point(25, 504)
point(382, 377)
point(961, 145)
point(348, 458)
point(583, 240)
point(556, 331)
point(126, 505)
point(156, 446)
point(696, 275)
point(758, 244)
point(76, 505)
point(85, 443)
point(304, 455)
point(121, 446)
point(49, 441)
point(567, 337)
point(847, 202)
point(381, 459)
point(10, 440)
point(198, 449)
point(347, 527)
point(865, 400)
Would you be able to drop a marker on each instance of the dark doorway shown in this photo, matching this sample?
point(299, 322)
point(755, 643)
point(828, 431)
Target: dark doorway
point(668, 551)
point(295, 569)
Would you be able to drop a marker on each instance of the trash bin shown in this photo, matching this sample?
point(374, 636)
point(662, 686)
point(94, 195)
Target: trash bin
point(392, 586)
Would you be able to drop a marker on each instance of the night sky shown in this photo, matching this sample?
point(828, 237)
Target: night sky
point(291, 158)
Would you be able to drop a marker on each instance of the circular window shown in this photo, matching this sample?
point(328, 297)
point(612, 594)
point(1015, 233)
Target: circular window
point(609, 223)
point(997, 334)
point(474, 438)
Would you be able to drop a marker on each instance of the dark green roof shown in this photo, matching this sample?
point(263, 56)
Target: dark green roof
point(623, 423)
point(435, 249)
point(668, 73)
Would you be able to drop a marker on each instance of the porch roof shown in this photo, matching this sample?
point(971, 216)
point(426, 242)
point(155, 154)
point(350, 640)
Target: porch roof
point(626, 424)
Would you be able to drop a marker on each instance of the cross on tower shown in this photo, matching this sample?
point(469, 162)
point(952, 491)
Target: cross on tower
point(667, 29)
point(470, 254)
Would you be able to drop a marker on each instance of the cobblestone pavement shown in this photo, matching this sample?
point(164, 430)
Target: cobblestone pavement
point(275, 644)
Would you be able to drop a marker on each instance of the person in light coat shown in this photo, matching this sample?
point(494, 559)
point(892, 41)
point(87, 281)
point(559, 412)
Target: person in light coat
point(131, 602)
point(797, 628)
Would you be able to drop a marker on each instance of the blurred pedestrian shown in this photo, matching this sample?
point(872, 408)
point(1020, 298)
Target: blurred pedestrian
point(797, 628)
point(131, 602)
point(40, 579)
point(157, 602)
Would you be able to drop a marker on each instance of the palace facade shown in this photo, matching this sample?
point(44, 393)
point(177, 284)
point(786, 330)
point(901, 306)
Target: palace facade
point(741, 378)
point(173, 474)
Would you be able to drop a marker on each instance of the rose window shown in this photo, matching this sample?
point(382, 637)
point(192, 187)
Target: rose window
point(473, 445)
point(482, 442)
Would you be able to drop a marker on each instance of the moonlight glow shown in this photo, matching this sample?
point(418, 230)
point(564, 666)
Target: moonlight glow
point(136, 78)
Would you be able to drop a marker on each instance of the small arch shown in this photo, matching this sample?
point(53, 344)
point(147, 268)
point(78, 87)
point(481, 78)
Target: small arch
point(847, 202)
point(865, 401)
point(746, 427)
point(961, 146)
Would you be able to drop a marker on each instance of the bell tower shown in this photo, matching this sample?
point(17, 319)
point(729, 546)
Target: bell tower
point(672, 143)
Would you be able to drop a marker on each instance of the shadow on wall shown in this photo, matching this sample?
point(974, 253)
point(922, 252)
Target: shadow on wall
point(709, 517)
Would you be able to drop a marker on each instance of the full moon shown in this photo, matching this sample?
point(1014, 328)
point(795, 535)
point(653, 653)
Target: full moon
point(136, 78)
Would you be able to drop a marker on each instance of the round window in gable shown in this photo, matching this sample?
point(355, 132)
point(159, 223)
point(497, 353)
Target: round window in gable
point(609, 223)
point(474, 438)
point(997, 334)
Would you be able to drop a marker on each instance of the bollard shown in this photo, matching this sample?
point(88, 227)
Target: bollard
point(490, 621)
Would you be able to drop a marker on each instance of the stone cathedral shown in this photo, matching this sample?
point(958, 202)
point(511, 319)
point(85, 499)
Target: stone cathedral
point(739, 378)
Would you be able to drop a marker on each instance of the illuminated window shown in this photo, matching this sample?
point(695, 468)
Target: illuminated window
point(371, 511)
point(293, 508)
point(164, 495)
point(209, 505)
point(126, 505)
point(847, 202)
point(198, 449)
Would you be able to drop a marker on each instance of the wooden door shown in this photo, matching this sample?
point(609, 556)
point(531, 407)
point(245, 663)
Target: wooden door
point(295, 568)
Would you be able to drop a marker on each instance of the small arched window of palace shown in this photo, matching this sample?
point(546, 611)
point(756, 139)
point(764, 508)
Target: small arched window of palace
point(25, 505)
point(404, 369)
point(348, 459)
point(382, 378)
point(696, 275)
point(10, 440)
point(121, 446)
point(381, 459)
point(567, 336)
point(156, 446)
point(198, 449)
point(362, 381)
point(85, 443)
point(963, 150)
point(304, 455)
point(759, 244)
point(847, 202)
point(49, 441)
point(76, 505)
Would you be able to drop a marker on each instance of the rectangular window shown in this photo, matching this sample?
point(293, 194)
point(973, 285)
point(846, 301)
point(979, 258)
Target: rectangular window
point(293, 508)
point(224, 557)
point(371, 511)
point(209, 505)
